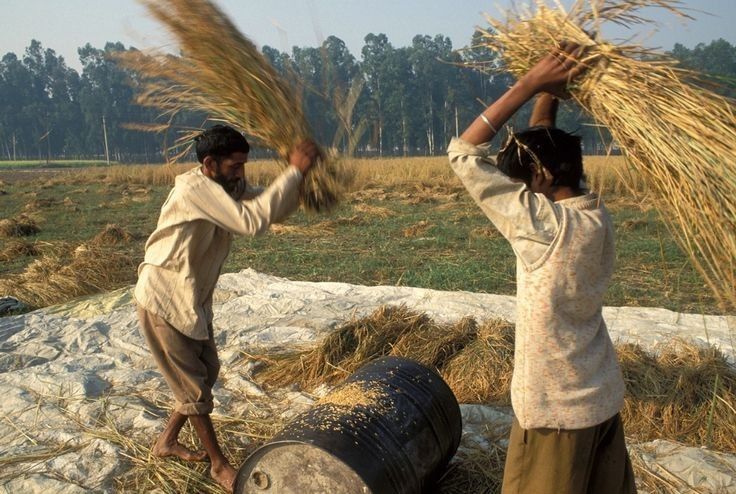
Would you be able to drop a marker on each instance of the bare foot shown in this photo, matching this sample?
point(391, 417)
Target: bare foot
point(225, 476)
point(163, 450)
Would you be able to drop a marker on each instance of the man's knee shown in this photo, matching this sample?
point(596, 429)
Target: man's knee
point(213, 370)
point(195, 408)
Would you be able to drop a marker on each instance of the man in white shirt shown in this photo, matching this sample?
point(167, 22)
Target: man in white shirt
point(182, 263)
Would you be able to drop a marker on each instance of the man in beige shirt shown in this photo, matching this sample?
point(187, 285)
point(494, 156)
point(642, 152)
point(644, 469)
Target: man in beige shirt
point(567, 388)
point(182, 263)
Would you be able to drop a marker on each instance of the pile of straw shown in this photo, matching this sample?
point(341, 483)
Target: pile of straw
point(678, 135)
point(64, 272)
point(685, 393)
point(112, 234)
point(18, 248)
point(222, 75)
point(22, 226)
point(481, 372)
point(388, 331)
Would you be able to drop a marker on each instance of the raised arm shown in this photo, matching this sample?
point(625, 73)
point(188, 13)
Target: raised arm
point(545, 111)
point(550, 75)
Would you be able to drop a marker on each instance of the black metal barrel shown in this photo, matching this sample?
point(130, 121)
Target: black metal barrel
point(391, 428)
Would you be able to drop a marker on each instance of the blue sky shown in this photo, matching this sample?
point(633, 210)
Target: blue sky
point(65, 25)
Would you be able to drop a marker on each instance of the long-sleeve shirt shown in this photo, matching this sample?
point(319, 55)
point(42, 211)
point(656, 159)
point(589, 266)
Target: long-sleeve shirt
point(185, 254)
point(566, 373)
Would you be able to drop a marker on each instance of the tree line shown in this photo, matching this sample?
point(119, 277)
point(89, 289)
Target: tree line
point(392, 101)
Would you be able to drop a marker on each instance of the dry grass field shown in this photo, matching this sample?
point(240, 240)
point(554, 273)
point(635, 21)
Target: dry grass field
point(402, 221)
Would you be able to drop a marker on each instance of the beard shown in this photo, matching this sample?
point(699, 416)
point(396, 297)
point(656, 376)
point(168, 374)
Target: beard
point(234, 187)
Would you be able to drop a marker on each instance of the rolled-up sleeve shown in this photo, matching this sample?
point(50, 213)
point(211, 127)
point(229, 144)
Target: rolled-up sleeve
point(208, 201)
point(527, 220)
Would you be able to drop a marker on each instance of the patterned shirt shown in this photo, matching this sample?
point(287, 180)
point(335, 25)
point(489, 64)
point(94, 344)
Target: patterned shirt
point(566, 373)
point(185, 254)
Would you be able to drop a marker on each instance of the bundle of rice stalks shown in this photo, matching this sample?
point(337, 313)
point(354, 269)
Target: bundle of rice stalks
point(481, 372)
point(686, 393)
point(19, 248)
point(62, 274)
point(222, 74)
point(22, 226)
point(434, 345)
point(112, 235)
point(678, 135)
point(344, 350)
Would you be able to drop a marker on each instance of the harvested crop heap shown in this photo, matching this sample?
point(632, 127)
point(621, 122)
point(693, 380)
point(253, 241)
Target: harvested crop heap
point(683, 393)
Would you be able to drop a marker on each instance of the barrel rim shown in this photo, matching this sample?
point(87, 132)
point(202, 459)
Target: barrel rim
point(265, 448)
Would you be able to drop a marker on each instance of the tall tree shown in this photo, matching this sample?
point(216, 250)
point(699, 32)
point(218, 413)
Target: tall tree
point(107, 102)
point(716, 60)
point(376, 60)
point(16, 120)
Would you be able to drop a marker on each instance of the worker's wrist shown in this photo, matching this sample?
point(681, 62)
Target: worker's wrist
point(302, 173)
point(527, 87)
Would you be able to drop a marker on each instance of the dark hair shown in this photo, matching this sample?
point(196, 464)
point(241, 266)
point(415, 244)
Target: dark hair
point(553, 148)
point(220, 141)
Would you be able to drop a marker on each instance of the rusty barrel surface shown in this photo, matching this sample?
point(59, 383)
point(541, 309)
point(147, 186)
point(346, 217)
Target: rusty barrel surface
point(392, 427)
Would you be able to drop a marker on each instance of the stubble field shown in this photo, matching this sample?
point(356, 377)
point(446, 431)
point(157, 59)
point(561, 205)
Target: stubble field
point(402, 222)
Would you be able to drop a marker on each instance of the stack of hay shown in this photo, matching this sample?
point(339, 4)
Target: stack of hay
point(63, 271)
point(223, 75)
point(679, 136)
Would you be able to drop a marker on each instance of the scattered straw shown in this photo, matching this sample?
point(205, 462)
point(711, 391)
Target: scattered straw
point(37, 204)
point(679, 135)
point(477, 466)
point(239, 436)
point(319, 230)
point(375, 211)
point(354, 220)
point(225, 77)
point(417, 229)
point(485, 232)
